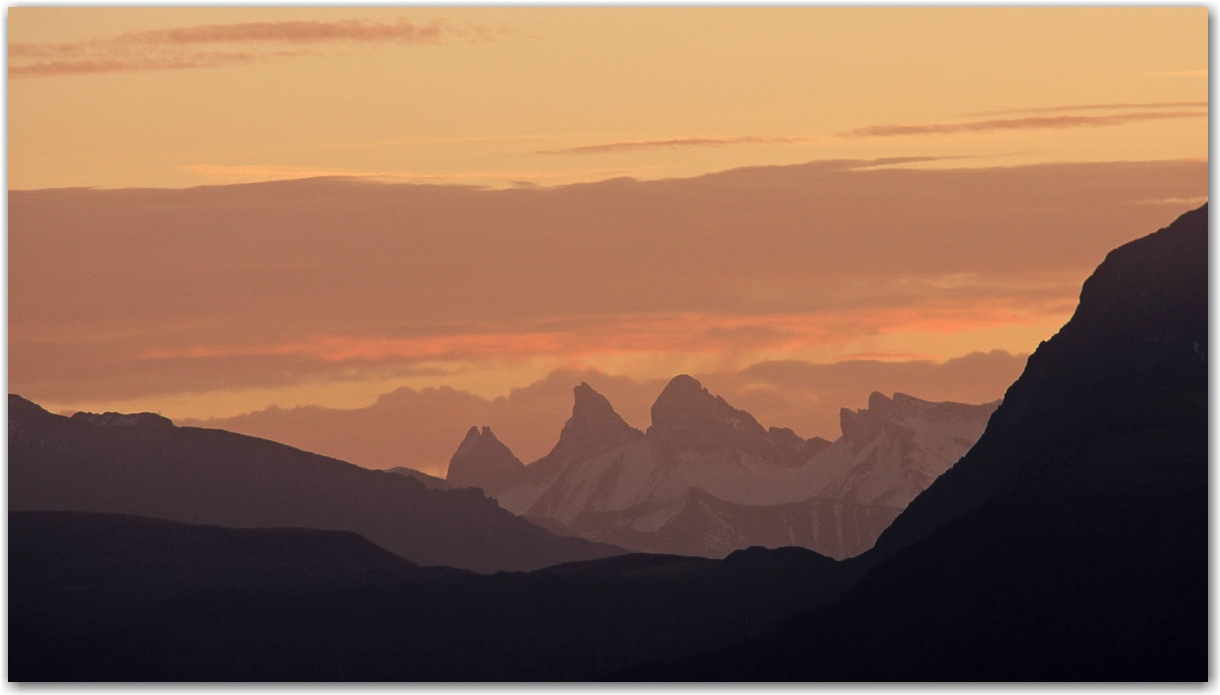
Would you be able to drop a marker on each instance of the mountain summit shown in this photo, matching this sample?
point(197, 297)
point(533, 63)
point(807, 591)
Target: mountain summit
point(483, 461)
point(687, 417)
point(593, 429)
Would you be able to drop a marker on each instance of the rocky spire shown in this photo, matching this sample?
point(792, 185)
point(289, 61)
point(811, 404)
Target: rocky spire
point(485, 462)
point(686, 416)
point(593, 429)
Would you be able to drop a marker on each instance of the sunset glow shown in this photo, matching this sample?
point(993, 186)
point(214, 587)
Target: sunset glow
point(499, 195)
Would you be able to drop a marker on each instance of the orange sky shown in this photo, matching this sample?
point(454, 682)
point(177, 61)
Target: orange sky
point(919, 184)
point(143, 96)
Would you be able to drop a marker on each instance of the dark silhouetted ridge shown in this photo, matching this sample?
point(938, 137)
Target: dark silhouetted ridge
point(1132, 357)
point(208, 476)
point(103, 597)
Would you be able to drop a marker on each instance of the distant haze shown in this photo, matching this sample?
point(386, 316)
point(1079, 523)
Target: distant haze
point(422, 429)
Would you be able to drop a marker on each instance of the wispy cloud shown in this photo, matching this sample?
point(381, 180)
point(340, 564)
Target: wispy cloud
point(1029, 123)
point(891, 161)
point(1097, 107)
point(251, 173)
point(1178, 73)
point(187, 47)
point(1192, 201)
point(635, 145)
point(260, 172)
point(677, 333)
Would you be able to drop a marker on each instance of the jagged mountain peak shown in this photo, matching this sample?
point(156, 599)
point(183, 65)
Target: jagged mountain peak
point(475, 440)
point(685, 404)
point(593, 429)
point(483, 461)
point(686, 416)
point(863, 425)
point(684, 384)
point(591, 409)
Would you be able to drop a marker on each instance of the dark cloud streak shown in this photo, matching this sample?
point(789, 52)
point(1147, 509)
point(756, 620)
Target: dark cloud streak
point(632, 146)
point(1030, 123)
point(174, 48)
point(1096, 107)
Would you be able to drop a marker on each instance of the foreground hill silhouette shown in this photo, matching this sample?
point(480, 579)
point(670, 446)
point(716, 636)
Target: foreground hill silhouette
point(122, 598)
point(142, 464)
point(1071, 542)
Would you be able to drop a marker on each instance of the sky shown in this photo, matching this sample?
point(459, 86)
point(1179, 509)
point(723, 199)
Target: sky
point(363, 230)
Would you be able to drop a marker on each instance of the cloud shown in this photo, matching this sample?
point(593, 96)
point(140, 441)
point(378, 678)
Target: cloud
point(1098, 107)
point(299, 31)
point(1178, 73)
point(637, 145)
point(136, 293)
point(262, 172)
point(197, 59)
point(254, 173)
point(670, 332)
point(178, 47)
point(1068, 120)
point(1193, 202)
point(1030, 123)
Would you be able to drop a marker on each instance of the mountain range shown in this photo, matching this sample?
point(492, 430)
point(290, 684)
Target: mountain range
point(707, 479)
point(1069, 543)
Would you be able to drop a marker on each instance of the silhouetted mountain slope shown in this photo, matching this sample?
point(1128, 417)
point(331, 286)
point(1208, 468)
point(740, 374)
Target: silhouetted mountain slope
point(144, 465)
point(430, 481)
point(100, 597)
point(82, 567)
point(1071, 542)
point(172, 551)
point(1133, 357)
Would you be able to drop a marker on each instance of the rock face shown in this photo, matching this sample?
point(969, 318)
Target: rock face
point(593, 429)
point(899, 446)
point(707, 479)
point(687, 418)
point(144, 465)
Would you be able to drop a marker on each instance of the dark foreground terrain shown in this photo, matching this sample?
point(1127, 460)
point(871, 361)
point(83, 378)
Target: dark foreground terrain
point(112, 597)
point(1069, 544)
point(142, 464)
